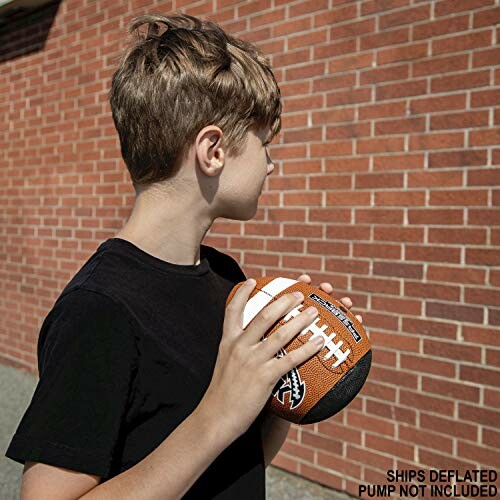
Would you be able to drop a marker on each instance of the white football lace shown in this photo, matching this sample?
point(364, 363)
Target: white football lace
point(334, 349)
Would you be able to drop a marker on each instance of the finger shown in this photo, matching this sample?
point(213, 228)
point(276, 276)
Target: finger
point(359, 317)
point(278, 367)
point(327, 287)
point(268, 316)
point(285, 333)
point(346, 301)
point(305, 278)
point(235, 308)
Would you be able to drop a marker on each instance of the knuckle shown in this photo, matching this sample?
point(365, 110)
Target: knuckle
point(266, 315)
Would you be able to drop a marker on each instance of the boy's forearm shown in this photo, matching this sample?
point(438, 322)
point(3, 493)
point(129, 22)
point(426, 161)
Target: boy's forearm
point(274, 433)
point(173, 467)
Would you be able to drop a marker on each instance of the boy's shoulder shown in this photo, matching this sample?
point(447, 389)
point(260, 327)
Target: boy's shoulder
point(222, 263)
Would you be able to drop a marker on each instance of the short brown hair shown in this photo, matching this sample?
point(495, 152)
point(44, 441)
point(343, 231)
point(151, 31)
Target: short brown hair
point(169, 86)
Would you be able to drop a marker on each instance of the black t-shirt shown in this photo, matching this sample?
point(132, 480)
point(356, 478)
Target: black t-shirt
point(124, 356)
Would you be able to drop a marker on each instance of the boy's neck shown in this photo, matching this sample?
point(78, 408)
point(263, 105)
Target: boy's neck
point(172, 233)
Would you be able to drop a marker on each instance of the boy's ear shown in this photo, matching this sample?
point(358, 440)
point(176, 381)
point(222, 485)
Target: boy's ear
point(208, 151)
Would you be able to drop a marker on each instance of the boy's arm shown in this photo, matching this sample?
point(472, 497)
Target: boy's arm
point(274, 431)
point(170, 470)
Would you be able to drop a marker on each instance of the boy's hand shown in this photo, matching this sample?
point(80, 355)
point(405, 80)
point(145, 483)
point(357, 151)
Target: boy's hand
point(246, 369)
point(328, 288)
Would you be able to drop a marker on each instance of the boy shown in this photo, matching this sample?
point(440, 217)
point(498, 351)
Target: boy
point(125, 407)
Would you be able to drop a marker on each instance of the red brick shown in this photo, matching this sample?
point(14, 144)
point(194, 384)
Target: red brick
point(480, 415)
point(464, 236)
point(482, 98)
point(491, 437)
point(466, 119)
point(493, 357)
point(389, 446)
point(335, 15)
point(427, 439)
point(384, 74)
point(456, 274)
point(347, 130)
point(378, 180)
point(488, 57)
point(337, 463)
point(456, 312)
point(491, 398)
point(378, 216)
point(400, 126)
point(415, 399)
point(458, 158)
point(355, 28)
point(488, 17)
point(395, 233)
point(479, 375)
point(465, 80)
point(395, 90)
point(445, 461)
point(393, 341)
point(402, 53)
point(367, 111)
point(384, 38)
point(364, 456)
point(446, 7)
point(349, 164)
point(380, 145)
point(433, 179)
point(330, 428)
point(459, 197)
point(401, 269)
point(385, 410)
point(353, 61)
point(485, 296)
point(431, 328)
point(483, 177)
point(398, 162)
point(376, 250)
point(484, 137)
point(432, 291)
point(434, 104)
point(456, 390)
point(440, 65)
point(482, 256)
point(448, 426)
point(452, 350)
point(438, 27)
point(374, 6)
point(379, 391)
point(459, 43)
point(435, 216)
point(424, 364)
point(388, 375)
point(404, 16)
point(480, 335)
point(343, 97)
point(437, 141)
point(479, 454)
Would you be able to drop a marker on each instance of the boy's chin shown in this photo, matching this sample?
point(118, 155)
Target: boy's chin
point(242, 213)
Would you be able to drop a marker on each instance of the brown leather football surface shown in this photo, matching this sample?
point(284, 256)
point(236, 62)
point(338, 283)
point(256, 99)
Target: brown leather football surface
point(327, 382)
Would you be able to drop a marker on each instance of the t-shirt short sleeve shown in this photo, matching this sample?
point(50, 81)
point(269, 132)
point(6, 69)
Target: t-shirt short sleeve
point(87, 358)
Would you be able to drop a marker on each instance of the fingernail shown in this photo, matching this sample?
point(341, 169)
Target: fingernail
point(299, 295)
point(250, 282)
point(319, 341)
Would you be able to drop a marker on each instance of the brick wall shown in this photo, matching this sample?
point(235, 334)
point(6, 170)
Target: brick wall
point(385, 185)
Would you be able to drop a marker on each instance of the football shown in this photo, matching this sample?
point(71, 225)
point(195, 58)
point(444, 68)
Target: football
point(328, 381)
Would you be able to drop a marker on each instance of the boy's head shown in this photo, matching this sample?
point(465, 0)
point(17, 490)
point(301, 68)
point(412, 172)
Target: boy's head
point(186, 93)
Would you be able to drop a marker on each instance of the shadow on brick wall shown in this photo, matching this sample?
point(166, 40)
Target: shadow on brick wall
point(24, 29)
